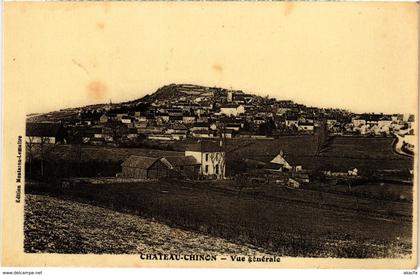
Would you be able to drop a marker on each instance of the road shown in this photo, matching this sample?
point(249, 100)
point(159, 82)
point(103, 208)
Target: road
point(399, 144)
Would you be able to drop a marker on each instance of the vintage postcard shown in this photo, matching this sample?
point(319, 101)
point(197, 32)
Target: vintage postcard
point(210, 134)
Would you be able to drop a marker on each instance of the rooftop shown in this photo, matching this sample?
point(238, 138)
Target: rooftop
point(181, 161)
point(205, 146)
point(139, 161)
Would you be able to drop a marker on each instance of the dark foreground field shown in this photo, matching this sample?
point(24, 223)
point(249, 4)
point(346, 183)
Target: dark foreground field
point(372, 220)
point(282, 221)
point(57, 226)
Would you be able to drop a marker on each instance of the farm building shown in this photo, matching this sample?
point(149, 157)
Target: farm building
point(143, 167)
point(185, 166)
point(279, 163)
point(296, 152)
point(210, 156)
point(286, 163)
point(45, 132)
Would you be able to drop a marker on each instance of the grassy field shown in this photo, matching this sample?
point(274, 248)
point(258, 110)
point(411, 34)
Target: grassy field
point(340, 154)
point(279, 220)
point(373, 219)
point(57, 226)
point(372, 190)
point(362, 147)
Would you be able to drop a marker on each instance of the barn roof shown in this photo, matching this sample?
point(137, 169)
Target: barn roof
point(43, 129)
point(139, 162)
point(182, 161)
point(144, 162)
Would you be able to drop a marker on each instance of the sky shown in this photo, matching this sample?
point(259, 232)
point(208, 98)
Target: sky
point(356, 56)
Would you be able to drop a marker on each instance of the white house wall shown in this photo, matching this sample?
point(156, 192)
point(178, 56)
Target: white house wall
point(214, 158)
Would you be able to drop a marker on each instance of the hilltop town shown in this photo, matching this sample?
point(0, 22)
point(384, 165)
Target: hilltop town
point(220, 162)
point(176, 112)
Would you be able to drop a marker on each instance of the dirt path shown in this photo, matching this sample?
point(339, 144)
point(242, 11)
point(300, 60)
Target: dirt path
point(59, 226)
point(398, 144)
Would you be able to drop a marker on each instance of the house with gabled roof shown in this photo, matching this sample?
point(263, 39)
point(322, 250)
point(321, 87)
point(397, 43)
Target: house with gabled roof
point(286, 163)
point(211, 157)
point(142, 167)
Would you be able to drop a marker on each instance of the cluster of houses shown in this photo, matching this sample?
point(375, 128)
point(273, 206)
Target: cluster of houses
point(210, 114)
point(379, 124)
point(204, 112)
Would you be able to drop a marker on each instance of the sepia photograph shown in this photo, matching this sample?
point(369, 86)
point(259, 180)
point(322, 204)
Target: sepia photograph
point(202, 134)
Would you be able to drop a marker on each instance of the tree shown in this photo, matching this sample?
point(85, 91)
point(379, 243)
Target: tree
point(78, 156)
point(45, 148)
point(43, 151)
point(218, 160)
point(29, 151)
point(321, 136)
point(267, 127)
point(117, 129)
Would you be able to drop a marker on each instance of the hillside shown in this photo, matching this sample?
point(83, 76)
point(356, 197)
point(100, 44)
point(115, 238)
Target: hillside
point(165, 93)
point(91, 229)
point(183, 90)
